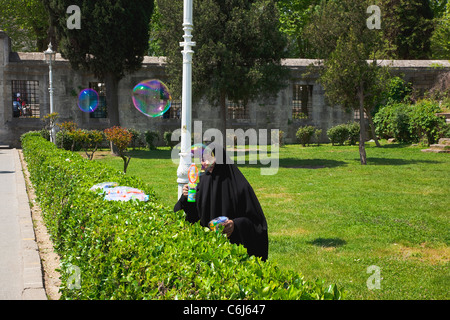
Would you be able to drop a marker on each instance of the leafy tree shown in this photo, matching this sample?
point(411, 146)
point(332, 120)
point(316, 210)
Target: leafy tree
point(111, 42)
point(154, 43)
point(294, 17)
point(346, 43)
point(407, 28)
point(64, 137)
point(438, 7)
point(26, 22)
point(328, 23)
point(440, 41)
point(121, 138)
point(238, 50)
point(90, 141)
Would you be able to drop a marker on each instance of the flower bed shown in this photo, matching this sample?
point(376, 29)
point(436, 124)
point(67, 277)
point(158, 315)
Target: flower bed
point(142, 250)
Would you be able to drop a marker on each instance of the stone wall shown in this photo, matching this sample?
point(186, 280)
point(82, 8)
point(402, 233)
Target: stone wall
point(275, 113)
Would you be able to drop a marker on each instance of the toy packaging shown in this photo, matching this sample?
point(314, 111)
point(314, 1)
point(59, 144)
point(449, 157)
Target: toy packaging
point(214, 224)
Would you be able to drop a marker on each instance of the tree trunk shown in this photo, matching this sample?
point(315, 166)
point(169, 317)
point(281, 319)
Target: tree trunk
point(126, 161)
point(372, 129)
point(362, 126)
point(112, 104)
point(223, 114)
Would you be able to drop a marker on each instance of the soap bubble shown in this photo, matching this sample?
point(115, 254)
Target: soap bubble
point(202, 156)
point(88, 100)
point(151, 97)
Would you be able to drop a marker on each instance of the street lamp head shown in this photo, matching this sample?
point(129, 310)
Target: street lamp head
point(50, 55)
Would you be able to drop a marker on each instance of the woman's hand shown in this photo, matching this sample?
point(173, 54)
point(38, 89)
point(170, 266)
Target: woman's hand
point(228, 227)
point(185, 190)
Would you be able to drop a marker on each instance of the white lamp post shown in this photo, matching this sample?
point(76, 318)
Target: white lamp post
point(186, 98)
point(50, 57)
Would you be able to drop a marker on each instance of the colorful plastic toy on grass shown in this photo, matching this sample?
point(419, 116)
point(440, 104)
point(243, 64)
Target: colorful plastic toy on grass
point(103, 186)
point(214, 224)
point(113, 191)
point(123, 193)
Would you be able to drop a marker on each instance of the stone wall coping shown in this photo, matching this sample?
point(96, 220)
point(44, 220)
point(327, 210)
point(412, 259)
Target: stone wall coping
point(39, 56)
point(391, 63)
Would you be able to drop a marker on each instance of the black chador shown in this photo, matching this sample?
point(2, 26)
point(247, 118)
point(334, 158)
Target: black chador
point(226, 192)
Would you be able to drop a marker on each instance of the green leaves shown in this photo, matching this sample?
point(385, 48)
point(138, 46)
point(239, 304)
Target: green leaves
point(143, 250)
point(238, 48)
point(411, 122)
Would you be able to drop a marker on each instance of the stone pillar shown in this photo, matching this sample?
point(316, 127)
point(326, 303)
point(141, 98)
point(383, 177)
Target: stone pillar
point(5, 48)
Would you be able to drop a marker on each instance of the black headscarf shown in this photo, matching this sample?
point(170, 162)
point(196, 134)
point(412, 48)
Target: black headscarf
point(226, 192)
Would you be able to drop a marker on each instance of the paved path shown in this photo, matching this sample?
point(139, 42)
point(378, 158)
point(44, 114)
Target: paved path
point(20, 265)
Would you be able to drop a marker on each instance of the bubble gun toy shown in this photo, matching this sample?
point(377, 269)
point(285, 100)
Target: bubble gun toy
point(214, 224)
point(193, 180)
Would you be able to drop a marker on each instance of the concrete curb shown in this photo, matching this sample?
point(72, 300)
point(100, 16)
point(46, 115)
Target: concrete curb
point(33, 283)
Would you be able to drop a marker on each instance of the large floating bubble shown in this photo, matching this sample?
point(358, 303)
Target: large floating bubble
point(88, 100)
point(151, 97)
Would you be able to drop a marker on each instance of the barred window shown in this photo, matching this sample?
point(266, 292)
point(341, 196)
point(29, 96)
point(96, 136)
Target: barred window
point(25, 97)
point(301, 101)
point(237, 110)
point(356, 115)
point(174, 111)
point(101, 111)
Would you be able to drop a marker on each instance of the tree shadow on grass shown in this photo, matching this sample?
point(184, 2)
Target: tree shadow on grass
point(291, 163)
point(397, 145)
point(328, 242)
point(294, 163)
point(151, 154)
point(397, 162)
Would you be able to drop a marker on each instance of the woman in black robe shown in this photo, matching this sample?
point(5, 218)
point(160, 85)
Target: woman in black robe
point(224, 191)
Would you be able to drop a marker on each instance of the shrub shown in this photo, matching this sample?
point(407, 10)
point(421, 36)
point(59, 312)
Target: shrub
point(45, 134)
point(136, 139)
point(64, 137)
point(424, 123)
point(393, 121)
point(68, 126)
point(338, 134)
point(397, 91)
point(353, 132)
point(445, 132)
point(90, 141)
point(168, 139)
point(150, 136)
point(121, 138)
point(64, 140)
point(410, 123)
point(142, 250)
point(304, 134)
point(317, 134)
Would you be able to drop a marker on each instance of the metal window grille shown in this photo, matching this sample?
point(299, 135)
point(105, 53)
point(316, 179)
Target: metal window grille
point(101, 111)
point(25, 97)
point(356, 115)
point(301, 101)
point(237, 111)
point(175, 110)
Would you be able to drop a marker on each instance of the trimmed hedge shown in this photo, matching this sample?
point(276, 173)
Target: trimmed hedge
point(142, 250)
point(346, 132)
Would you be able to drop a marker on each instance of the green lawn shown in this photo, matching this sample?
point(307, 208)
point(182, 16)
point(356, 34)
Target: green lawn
point(331, 218)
